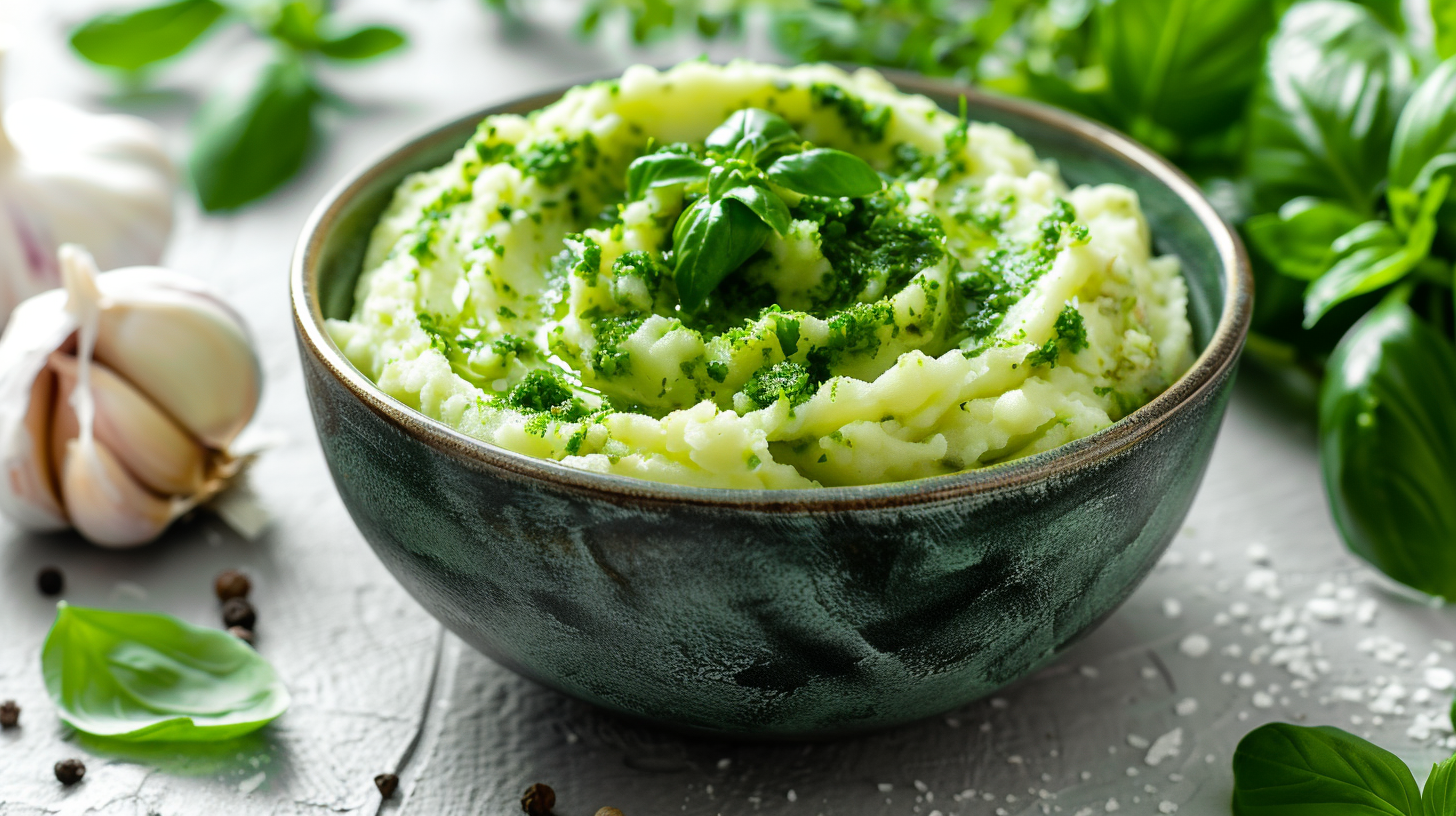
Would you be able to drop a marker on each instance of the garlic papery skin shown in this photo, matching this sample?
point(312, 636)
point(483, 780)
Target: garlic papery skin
point(106, 420)
point(66, 175)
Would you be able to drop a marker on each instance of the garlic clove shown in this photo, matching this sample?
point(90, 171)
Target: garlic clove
point(183, 348)
point(106, 504)
point(189, 356)
point(148, 443)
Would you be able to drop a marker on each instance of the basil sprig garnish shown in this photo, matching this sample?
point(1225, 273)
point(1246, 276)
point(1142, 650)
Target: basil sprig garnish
point(744, 160)
point(1283, 770)
point(141, 677)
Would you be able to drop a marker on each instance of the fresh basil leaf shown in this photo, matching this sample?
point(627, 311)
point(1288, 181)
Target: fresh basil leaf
point(1298, 239)
point(1335, 80)
point(711, 240)
point(749, 132)
point(246, 147)
point(362, 44)
point(661, 169)
point(1425, 137)
point(1439, 795)
point(764, 204)
point(1388, 11)
point(1443, 15)
point(296, 23)
point(1388, 446)
point(1185, 65)
point(135, 39)
point(825, 172)
point(1374, 255)
point(143, 677)
point(1290, 770)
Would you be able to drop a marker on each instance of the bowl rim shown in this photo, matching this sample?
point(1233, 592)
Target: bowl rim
point(1208, 369)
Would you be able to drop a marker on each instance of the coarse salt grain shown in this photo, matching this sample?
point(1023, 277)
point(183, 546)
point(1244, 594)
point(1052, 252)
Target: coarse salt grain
point(1165, 747)
point(1186, 707)
point(1440, 678)
point(1195, 645)
point(1172, 607)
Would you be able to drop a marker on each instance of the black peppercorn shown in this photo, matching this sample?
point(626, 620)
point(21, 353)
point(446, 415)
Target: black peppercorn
point(539, 800)
point(50, 581)
point(238, 612)
point(70, 771)
point(231, 584)
point(245, 635)
point(387, 784)
point(9, 714)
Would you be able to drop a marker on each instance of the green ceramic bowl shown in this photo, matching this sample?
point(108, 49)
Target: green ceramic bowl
point(775, 614)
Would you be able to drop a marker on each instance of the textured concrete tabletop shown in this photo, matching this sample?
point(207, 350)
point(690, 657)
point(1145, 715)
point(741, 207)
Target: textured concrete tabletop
point(1255, 614)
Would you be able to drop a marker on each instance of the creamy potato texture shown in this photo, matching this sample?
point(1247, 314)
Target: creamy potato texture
point(972, 311)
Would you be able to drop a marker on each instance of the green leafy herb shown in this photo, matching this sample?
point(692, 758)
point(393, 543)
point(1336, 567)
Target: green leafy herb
point(245, 145)
point(1284, 769)
point(1439, 795)
point(825, 172)
point(1388, 446)
point(144, 677)
point(663, 169)
point(1299, 238)
point(738, 211)
point(1425, 137)
point(1335, 81)
point(713, 238)
point(133, 40)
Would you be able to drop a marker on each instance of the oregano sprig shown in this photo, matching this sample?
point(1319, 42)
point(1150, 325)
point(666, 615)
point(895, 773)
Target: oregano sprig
point(745, 161)
point(246, 145)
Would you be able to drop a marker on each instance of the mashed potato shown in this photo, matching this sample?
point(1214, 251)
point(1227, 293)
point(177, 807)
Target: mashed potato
point(972, 311)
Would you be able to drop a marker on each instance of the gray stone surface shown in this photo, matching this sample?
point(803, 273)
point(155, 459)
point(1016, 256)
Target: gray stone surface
point(378, 687)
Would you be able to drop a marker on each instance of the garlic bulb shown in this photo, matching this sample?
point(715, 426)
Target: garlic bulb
point(119, 396)
point(67, 176)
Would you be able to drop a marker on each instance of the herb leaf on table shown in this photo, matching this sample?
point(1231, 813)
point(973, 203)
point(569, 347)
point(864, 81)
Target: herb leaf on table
point(133, 40)
point(1439, 794)
point(1282, 769)
point(142, 677)
point(245, 146)
point(248, 145)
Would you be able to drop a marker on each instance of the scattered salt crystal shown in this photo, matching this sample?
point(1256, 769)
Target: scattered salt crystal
point(1246, 680)
point(1239, 610)
point(1185, 707)
point(1227, 678)
point(1365, 612)
point(253, 782)
point(1165, 747)
point(1387, 700)
point(1262, 699)
point(1325, 609)
point(1167, 807)
point(1195, 645)
point(724, 763)
point(1233, 650)
point(885, 787)
point(1132, 771)
point(1425, 725)
point(1421, 695)
point(1221, 619)
point(1085, 775)
point(1172, 607)
point(1015, 759)
point(1089, 672)
point(1440, 678)
point(1258, 553)
point(1111, 805)
point(921, 786)
point(1444, 645)
point(1137, 742)
point(1264, 582)
point(794, 797)
point(1150, 673)
point(999, 702)
point(1205, 559)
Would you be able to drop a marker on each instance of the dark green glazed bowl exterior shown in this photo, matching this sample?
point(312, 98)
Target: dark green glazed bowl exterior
point(776, 614)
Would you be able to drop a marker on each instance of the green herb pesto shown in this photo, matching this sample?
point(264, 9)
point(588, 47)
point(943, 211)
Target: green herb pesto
point(774, 293)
